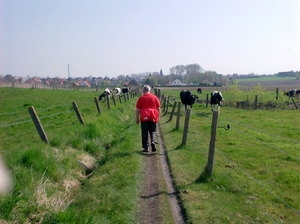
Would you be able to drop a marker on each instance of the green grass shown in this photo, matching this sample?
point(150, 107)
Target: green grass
point(50, 186)
point(256, 165)
point(255, 175)
point(266, 78)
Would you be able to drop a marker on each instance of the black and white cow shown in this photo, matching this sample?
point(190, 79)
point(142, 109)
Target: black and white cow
point(106, 92)
point(125, 89)
point(199, 90)
point(187, 98)
point(292, 93)
point(215, 100)
point(117, 91)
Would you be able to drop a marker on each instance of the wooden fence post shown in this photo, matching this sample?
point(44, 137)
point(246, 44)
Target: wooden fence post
point(124, 97)
point(112, 96)
point(209, 166)
point(206, 100)
point(162, 97)
point(173, 109)
point(277, 90)
point(164, 104)
point(97, 105)
point(167, 104)
point(78, 113)
point(178, 116)
point(255, 102)
point(38, 124)
point(108, 103)
point(186, 126)
point(295, 104)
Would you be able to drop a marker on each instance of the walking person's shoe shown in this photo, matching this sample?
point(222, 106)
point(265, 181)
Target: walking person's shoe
point(145, 150)
point(153, 147)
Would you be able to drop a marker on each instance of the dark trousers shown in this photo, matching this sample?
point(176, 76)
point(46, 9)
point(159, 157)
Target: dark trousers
point(148, 127)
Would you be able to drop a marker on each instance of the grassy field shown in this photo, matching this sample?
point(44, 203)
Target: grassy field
point(255, 178)
point(270, 82)
point(53, 183)
point(256, 173)
point(267, 78)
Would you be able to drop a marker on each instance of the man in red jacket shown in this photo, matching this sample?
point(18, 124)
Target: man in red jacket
point(147, 112)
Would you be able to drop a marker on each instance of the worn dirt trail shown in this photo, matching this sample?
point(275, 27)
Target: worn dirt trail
point(156, 162)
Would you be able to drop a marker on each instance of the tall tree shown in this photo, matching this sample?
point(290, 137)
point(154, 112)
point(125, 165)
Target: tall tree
point(192, 69)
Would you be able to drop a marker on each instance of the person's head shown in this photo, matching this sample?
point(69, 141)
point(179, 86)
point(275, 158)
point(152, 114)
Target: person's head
point(146, 88)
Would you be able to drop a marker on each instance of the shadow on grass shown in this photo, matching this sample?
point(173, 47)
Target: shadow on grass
point(203, 178)
point(179, 147)
point(203, 114)
point(110, 158)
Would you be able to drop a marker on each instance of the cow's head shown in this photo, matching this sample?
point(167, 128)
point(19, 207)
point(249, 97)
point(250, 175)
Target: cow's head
point(216, 97)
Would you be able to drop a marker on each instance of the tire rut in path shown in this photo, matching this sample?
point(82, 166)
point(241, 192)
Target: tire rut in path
point(149, 196)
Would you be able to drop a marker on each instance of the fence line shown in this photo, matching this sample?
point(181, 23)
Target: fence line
point(14, 112)
point(41, 110)
point(252, 178)
point(12, 137)
point(62, 122)
point(13, 124)
point(276, 136)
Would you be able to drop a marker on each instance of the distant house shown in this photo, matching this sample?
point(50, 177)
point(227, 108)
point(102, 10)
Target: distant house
point(177, 82)
point(33, 80)
point(133, 83)
point(84, 84)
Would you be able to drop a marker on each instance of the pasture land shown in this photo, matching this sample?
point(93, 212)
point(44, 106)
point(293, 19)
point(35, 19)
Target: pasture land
point(235, 96)
point(255, 178)
point(89, 173)
point(256, 173)
point(284, 83)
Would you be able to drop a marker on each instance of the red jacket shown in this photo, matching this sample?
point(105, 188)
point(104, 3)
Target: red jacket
point(148, 104)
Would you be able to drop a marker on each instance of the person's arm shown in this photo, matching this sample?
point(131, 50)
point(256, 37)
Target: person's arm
point(137, 116)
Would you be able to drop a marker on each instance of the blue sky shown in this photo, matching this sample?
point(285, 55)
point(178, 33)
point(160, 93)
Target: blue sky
point(114, 37)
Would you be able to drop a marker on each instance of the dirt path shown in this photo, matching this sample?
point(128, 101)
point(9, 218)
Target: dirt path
point(156, 162)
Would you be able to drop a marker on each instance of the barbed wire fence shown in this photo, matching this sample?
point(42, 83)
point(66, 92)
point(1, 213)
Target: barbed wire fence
point(170, 102)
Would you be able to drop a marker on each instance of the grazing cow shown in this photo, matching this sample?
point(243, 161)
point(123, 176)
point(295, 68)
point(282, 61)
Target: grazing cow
point(215, 100)
point(292, 93)
point(117, 91)
point(187, 98)
point(199, 90)
point(107, 92)
point(125, 89)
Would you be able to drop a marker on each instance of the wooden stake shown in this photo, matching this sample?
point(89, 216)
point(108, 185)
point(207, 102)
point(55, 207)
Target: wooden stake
point(38, 124)
point(209, 166)
point(186, 126)
point(78, 113)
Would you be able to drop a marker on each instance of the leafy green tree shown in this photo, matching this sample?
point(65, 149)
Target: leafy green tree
point(234, 94)
point(150, 80)
point(161, 80)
